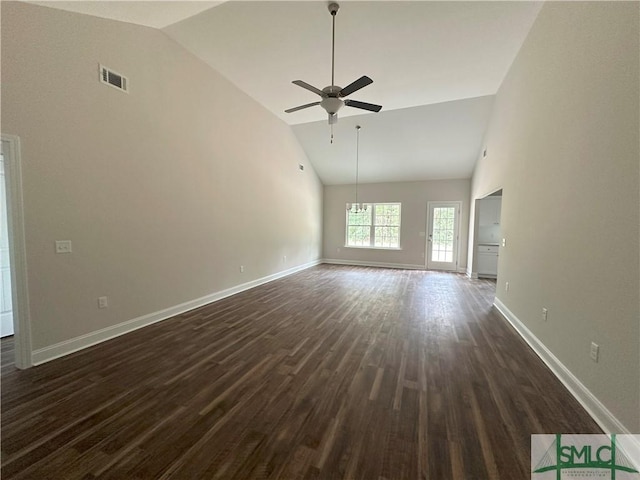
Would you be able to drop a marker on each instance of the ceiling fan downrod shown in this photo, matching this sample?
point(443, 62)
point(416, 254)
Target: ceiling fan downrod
point(333, 9)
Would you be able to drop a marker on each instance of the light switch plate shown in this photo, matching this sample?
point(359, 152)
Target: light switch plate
point(63, 246)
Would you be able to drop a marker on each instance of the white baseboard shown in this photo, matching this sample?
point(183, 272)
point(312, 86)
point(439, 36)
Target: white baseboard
point(602, 416)
point(66, 347)
point(358, 263)
point(472, 275)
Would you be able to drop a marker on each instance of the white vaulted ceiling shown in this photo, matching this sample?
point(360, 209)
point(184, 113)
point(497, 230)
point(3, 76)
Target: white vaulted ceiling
point(435, 67)
point(430, 142)
point(156, 14)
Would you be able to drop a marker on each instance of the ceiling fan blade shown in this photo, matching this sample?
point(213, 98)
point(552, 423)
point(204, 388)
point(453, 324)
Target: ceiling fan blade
point(363, 105)
point(295, 109)
point(354, 86)
point(311, 88)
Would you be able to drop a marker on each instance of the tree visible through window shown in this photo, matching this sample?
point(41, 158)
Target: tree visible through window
point(378, 226)
point(443, 232)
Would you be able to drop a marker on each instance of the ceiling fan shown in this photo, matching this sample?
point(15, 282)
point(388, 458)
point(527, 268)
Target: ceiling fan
point(332, 95)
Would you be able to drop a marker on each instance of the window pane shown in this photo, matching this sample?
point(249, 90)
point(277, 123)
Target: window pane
point(387, 237)
point(443, 232)
point(358, 236)
point(362, 218)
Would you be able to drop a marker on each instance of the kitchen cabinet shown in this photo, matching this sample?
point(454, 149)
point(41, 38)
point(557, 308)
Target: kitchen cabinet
point(490, 209)
point(487, 261)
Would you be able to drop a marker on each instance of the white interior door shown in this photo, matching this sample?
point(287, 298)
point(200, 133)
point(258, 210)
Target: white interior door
point(442, 239)
point(6, 315)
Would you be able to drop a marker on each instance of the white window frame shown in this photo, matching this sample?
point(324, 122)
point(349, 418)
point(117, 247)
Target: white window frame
point(372, 228)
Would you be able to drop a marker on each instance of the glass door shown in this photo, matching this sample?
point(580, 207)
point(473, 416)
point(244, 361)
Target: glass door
point(442, 238)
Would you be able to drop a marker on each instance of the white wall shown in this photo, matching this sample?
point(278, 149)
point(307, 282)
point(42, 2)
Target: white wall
point(164, 191)
point(414, 197)
point(563, 144)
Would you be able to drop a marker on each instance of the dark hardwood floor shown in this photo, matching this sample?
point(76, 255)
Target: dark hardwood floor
point(334, 372)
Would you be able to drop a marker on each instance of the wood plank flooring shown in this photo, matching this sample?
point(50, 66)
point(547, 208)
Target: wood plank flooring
point(334, 372)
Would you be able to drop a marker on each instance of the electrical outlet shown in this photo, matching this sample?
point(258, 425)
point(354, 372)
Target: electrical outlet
point(103, 302)
point(545, 313)
point(595, 352)
point(504, 242)
point(241, 268)
point(506, 286)
point(63, 246)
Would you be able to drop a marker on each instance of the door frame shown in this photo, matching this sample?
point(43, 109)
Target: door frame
point(472, 260)
point(456, 253)
point(17, 250)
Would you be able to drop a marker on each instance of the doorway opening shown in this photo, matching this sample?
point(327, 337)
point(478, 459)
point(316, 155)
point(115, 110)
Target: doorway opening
point(6, 311)
point(488, 236)
point(14, 301)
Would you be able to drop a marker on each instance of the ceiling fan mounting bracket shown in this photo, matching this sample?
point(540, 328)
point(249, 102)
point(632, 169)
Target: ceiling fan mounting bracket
point(333, 8)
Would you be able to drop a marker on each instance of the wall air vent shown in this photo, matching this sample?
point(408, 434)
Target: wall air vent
point(114, 79)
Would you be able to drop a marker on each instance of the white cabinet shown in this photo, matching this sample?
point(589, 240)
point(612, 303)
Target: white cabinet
point(487, 260)
point(497, 210)
point(490, 209)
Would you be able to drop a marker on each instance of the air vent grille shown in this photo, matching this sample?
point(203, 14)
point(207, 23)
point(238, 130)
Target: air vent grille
point(114, 79)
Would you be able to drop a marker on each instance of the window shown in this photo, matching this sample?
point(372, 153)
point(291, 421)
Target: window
point(377, 227)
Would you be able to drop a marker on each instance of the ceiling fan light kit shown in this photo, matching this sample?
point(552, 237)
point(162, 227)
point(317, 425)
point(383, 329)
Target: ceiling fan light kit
point(332, 96)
